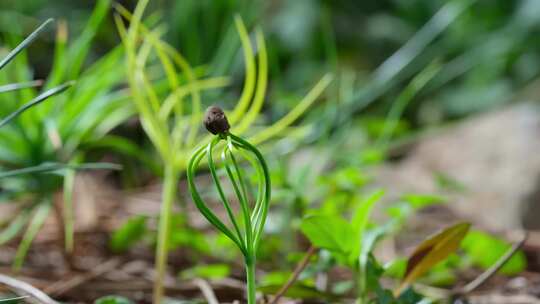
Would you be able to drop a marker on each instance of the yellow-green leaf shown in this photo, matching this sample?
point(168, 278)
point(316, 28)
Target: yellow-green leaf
point(432, 251)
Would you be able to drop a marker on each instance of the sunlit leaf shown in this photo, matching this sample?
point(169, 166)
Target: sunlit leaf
point(112, 300)
point(329, 232)
point(360, 220)
point(418, 201)
point(485, 250)
point(299, 291)
point(128, 234)
point(213, 271)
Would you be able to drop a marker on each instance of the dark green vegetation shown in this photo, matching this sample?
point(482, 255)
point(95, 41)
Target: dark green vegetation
point(325, 90)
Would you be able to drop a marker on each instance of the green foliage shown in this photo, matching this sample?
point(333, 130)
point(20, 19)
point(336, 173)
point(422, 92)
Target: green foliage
point(350, 241)
point(253, 215)
point(49, 138)
point(113, 300)
point(212, 271)
point(132, 231)
point(332, 232)
point(329, 232)
point(300, 291)
point(484, 250)
point(172, 120)
point(30, 150)
point(488, 54)
point(374, 273)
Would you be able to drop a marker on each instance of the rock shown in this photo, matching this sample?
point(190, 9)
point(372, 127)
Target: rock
point(494, 158)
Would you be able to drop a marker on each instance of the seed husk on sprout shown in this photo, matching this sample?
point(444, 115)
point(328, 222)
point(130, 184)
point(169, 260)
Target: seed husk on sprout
point(215, 120)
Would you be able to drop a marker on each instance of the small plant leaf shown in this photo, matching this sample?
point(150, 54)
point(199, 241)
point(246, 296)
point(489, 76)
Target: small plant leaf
point(212, 272)
point(329, 232)
point(128, 234)
point(40, 98)
point(299, 291)
point(485, 250)
point(113, 300)
point(360, 219)
point(432, 251)
point(418, 201)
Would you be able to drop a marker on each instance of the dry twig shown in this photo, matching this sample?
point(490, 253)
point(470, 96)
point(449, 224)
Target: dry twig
point(206, 290)
point(61, 287)
point(22, 288)
point(486, 275)
point(294, 276)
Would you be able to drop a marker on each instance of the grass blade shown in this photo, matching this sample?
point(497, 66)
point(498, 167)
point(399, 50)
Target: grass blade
point(37, 221)
point(295, 113)
point(40, 98)
point(49, 167)
point(68, 214)
point(24, 43)
point(14, 227)
point(20, 85)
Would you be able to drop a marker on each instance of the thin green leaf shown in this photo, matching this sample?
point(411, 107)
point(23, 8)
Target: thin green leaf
point(25, 43)
point(68, 214)
point(40, 98)
point(37, 221)
point(20, 85)
point(14, 227)
point(406, 96)
point(50, 167)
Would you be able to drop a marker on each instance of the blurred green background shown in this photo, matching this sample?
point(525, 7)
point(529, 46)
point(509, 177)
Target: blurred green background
point(399, 67)
point(488, 49)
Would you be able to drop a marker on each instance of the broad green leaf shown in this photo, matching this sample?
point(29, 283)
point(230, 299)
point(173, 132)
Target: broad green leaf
point(275, 278)
point(485, 250)
point(432, 251)
point(213, 271)
point(360, 220)
point(299, 291)
point(128, 234)
point(418, 201)
point(329, 232)
point(396, 268)
point(113, 300)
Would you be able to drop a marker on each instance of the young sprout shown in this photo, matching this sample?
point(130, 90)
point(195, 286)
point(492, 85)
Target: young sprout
point(252, 215)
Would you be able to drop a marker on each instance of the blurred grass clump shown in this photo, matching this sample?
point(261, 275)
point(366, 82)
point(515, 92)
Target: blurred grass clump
point(53, 138)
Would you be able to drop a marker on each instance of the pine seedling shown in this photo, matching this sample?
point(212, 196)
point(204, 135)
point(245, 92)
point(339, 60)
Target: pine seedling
point(252, 215)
